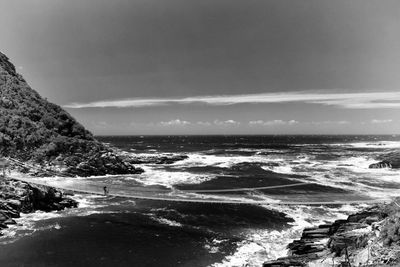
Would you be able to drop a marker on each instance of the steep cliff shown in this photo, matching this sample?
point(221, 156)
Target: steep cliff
point(33, 129)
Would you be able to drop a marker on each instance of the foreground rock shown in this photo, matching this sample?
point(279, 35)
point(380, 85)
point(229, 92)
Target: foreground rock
point(371, 237)
point(18, 197)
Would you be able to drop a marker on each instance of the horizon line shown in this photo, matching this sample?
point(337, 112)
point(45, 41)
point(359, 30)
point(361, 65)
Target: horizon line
point(128, 135)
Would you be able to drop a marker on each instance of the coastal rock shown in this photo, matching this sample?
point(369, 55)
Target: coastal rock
point(102, 163)
point(157, 159)
point(287, 262)
point(29, 199)
point(346, 240)
point(380, 165)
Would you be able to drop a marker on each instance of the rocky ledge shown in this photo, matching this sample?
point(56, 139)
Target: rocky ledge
point(368, 238)
point(18, 197)
point(117, 162)
point(151, 159)
point(104, 162)
point(101, 163)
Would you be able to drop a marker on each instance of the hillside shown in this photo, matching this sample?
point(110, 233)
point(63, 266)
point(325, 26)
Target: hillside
point(33, 129)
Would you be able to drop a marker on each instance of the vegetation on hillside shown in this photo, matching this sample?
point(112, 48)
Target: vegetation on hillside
point(28, 122)
point(32, 128)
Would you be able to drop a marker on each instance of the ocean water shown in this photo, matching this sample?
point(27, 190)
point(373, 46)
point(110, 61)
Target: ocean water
point(107, 231)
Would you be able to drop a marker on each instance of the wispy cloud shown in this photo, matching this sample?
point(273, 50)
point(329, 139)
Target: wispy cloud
point(226, 123)
point(382, 121)
point(176, 122)
point(203, 123)
point(181, 123)
point(367, 100)
point(330, 122)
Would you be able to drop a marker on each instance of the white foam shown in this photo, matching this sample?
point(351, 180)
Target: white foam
point(223, 161)
point(286, 169)
point(351, 173)
point(155, 176)
point(26, 225)
point(378, 144)
point(167, 222)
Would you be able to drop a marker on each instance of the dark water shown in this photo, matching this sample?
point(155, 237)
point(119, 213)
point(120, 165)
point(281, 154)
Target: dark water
point(108, 231)
point(229, 142)
point(133, 237)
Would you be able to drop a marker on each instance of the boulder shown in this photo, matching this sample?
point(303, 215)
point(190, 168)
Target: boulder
point(380, 165)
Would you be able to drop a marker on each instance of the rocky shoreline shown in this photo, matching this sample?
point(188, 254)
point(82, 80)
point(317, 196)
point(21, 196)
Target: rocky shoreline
point(18, 197)
point(368, 238)
point(113, 163)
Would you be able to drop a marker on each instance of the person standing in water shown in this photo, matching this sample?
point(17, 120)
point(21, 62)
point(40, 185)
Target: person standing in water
point(105, 190)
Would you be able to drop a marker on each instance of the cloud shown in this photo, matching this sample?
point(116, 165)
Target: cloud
point(271, 123)
point(330, 122)
point(381, 121)
point(226, 123)
point(203, 123)
point(176, 122)
point(367, 100)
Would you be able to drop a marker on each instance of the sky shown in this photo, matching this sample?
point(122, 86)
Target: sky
point(141, 67)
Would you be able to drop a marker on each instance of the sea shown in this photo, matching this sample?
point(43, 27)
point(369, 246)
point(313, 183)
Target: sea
point(117, 231)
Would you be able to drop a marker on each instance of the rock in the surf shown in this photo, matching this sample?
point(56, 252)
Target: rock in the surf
point(380, 165)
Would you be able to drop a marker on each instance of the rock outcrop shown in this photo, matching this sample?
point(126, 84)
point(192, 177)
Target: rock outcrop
point(368, 238)
point(380, 165)
point(154, 159)
point(34, 130)
point(18, 197)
